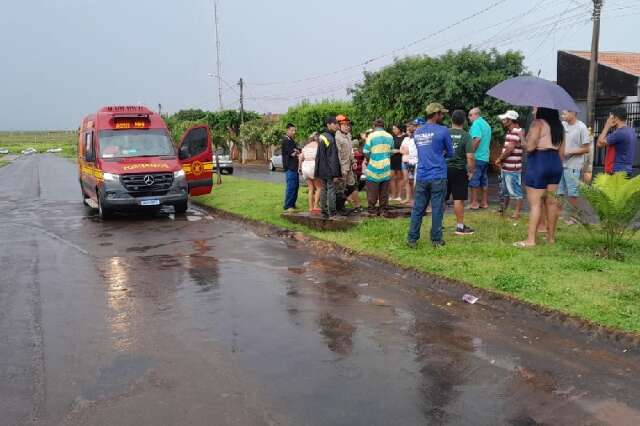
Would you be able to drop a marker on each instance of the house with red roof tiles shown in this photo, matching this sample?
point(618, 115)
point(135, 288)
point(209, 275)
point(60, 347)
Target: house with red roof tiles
point(618, 85)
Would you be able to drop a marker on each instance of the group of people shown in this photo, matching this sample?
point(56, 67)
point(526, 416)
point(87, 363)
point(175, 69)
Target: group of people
point(430, 164)
point(328, 164)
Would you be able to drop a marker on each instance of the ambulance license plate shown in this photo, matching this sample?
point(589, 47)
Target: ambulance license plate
point(150, 202)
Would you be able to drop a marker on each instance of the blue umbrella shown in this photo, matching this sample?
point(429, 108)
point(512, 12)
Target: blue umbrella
point(533, 91)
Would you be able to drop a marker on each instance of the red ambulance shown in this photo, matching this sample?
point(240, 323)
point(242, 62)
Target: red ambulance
point(127, 161)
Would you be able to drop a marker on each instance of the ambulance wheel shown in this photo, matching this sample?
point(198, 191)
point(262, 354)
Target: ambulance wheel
point(103, 212)
point(181, 208)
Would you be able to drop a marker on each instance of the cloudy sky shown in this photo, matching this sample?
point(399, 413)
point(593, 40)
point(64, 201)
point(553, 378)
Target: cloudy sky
point(62, 59)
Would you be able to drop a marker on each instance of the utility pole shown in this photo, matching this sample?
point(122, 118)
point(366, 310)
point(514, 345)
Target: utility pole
point(241, 84)
point(244, 149)
point(160, 110)
point(218, 63)
point(593, 66)
point(592, 95)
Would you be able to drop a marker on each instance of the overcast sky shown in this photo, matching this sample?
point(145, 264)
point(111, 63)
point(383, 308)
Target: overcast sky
point(62, 59)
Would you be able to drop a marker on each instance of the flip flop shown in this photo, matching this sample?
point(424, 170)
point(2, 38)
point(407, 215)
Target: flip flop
point(522, 245)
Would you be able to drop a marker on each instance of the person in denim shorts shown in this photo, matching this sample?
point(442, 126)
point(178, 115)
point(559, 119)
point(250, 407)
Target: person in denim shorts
point(510, 163)
point(576, 148)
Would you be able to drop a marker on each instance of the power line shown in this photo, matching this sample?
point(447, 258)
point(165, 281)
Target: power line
point(536, 29)
point(389, 53)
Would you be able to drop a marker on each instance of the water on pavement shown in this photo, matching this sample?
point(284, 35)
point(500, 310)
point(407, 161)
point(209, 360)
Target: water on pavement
point(157, 319)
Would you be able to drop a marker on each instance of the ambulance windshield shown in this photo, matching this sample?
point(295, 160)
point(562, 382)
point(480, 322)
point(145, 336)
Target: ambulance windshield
point(135, 143)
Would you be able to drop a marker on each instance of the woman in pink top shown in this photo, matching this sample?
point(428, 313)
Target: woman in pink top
point(307, 166)
point(544, 170)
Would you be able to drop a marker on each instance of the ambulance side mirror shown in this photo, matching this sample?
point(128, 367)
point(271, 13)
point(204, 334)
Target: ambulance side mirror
point(183, 153)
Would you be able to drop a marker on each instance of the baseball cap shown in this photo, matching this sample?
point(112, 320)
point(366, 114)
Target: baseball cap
point(343, 119)
point(434, 107)
point(511, 115)
point(419, 121)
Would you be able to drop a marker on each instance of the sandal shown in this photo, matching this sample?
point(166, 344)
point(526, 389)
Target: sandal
point(522, 245)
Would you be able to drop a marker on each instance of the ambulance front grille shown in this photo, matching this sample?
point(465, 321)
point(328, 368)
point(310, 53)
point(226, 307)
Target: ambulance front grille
point(148, 184)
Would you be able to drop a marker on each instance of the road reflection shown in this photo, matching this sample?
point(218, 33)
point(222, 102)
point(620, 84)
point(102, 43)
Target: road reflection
point(116, 276)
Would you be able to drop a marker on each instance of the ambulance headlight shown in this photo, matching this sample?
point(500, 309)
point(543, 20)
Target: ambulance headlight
point(179, 174)
point(110, 177)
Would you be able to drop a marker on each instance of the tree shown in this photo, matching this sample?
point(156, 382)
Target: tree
point(459, 80)
point(265, 130)
point(178, 127)
point(190, 115)
point(224, 125)
point(228, 121)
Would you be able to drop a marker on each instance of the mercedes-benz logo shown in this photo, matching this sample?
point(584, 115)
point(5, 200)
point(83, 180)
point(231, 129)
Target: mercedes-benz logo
point(148, 180)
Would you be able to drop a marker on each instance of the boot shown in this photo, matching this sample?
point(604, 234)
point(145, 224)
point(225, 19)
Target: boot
point(340, 202)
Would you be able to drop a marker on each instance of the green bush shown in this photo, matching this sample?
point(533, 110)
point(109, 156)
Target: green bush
point(309, 117)
point(616, 201)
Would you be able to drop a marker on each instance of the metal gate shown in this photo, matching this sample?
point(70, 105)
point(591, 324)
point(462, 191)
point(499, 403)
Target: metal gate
point(633, 119)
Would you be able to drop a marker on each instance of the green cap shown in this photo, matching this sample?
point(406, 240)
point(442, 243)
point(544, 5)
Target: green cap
point(434, 107)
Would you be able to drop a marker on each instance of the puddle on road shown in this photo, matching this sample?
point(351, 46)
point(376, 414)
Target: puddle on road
point(118, 377)
point(325, 345)
point(338, 333)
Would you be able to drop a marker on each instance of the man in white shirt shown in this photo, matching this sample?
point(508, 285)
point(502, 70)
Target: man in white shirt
point(576, 149)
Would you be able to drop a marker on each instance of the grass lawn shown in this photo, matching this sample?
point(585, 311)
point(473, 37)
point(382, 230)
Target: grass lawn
point(568, 277)
point(15, 142)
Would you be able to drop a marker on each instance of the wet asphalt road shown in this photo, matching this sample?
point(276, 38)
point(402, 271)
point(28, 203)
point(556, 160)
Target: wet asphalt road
point(258, 172)
point(201, 321)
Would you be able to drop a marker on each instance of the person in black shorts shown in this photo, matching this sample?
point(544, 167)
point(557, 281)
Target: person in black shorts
point(460, 168)
point(397, 177)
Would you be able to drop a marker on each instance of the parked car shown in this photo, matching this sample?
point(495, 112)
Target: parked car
point(29, 151)
point(54, 150)
point(224, 159)
point(4, 151)
point(276, 161)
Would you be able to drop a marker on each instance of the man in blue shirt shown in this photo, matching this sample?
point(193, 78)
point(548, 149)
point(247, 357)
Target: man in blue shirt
point(434, 144)
point(481, 138)
point(623, 138)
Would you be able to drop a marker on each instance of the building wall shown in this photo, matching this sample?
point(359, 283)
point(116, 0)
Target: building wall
point(573, 76)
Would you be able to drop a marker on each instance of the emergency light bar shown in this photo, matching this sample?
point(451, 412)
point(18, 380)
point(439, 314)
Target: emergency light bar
point(130, 124)
point(127, 111)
